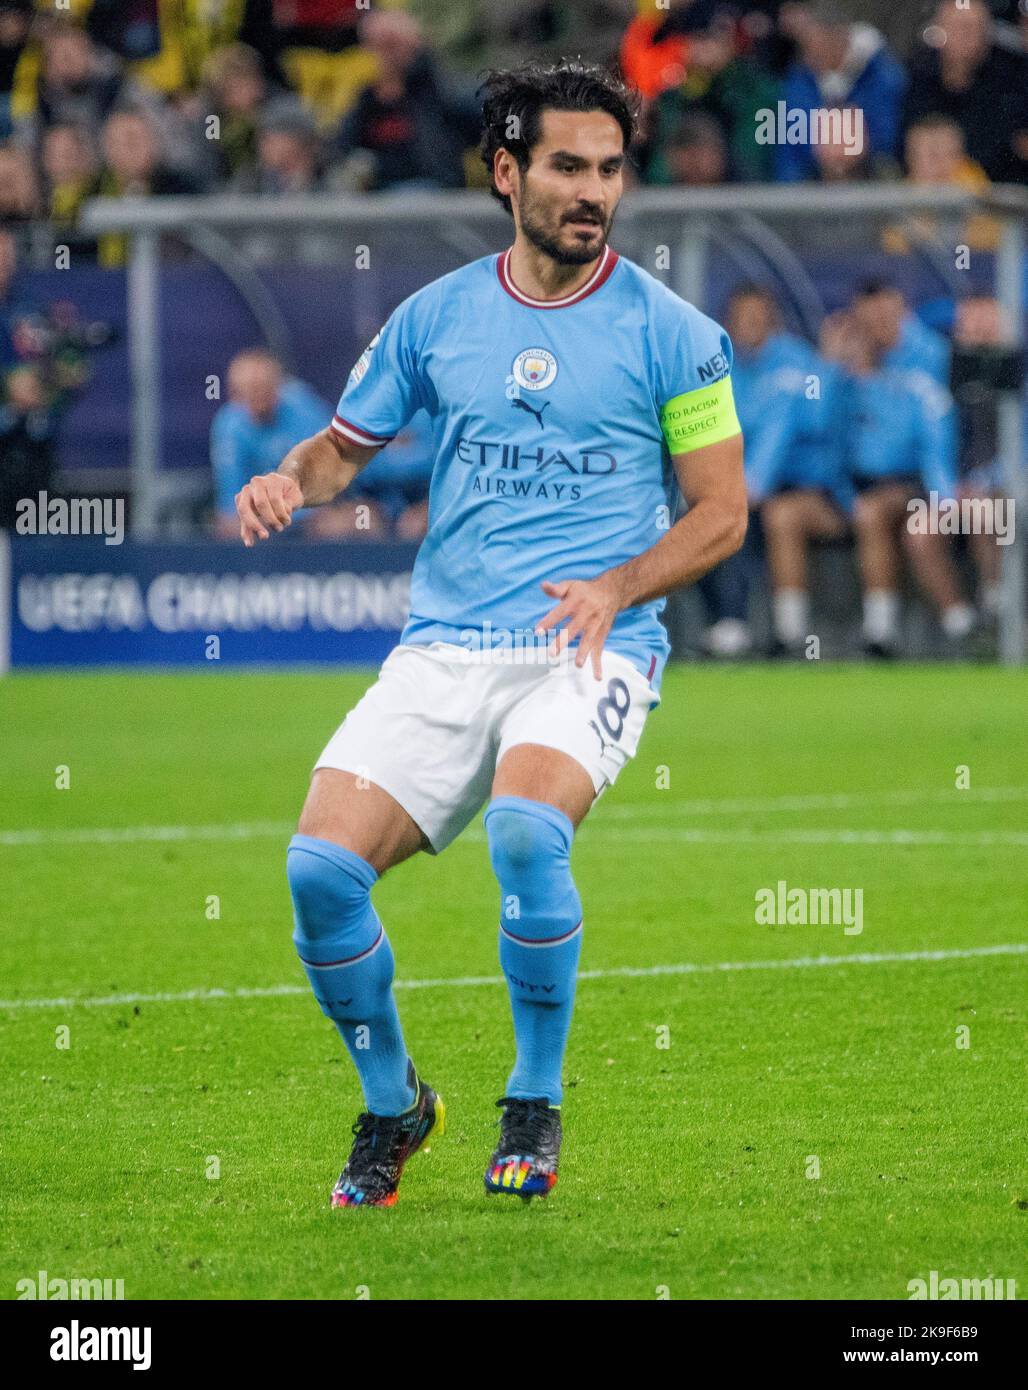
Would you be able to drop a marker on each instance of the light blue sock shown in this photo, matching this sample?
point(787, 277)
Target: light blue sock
point(349, 963)
point(540, 936)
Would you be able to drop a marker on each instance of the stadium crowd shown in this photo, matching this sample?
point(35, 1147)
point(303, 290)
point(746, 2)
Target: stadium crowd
point(279, 97)
point(285, 96)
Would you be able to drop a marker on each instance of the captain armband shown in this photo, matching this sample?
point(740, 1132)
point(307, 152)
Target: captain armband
point(698, 418)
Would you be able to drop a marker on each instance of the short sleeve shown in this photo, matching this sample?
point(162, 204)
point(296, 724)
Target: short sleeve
point(384, 389)
point(692, 383)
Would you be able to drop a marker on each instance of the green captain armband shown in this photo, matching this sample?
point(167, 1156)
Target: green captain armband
point(697, 418)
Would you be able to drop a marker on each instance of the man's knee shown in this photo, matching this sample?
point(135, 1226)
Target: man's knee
point(529, 847)
point(782, 517)
point(331, 890)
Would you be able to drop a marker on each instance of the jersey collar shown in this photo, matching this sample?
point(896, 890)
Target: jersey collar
point(601, 273)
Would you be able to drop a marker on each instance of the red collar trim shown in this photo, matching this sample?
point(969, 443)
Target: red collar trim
point(604, 267)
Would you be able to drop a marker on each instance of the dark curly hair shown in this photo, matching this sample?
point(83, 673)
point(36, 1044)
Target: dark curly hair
point(524, 91)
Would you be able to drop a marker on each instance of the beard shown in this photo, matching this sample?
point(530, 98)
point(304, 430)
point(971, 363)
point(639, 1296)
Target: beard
point(546, 240)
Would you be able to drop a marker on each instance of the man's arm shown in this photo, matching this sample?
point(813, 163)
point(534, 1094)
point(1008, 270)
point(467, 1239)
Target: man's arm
point(314, 471)
point(713, 483)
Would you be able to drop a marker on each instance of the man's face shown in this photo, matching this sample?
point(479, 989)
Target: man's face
point(566, 200)
point(933, 154)
point(880, 317)
point(65, 156)
point(129, 146)
point(68, 58)
point(966, 30)
point(751, 321)
point(823, 45)
point(253, 382)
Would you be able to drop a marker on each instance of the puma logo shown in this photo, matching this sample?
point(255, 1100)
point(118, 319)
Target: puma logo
point(519, 404)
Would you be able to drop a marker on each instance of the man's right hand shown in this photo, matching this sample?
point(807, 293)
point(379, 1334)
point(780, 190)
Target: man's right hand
point(267, 503)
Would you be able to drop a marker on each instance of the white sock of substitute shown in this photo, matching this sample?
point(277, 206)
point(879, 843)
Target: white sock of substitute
point(792, 616)
point(881, 616)
point(992, 599)
point(958, 620)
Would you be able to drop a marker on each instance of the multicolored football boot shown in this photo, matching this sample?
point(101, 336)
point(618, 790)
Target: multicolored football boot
point(525, 1161)
point(382, 1145)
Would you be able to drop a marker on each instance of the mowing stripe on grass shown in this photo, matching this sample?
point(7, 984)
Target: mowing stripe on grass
point(259, 830)
point(624, 972)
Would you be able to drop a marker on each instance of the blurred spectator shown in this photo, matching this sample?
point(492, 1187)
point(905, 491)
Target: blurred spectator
point(267, 414)
point(841, 64)
point(807, 497)
point(839, 159)
point(985, 365)
point(696, 153)
point(880, 313)
point(960, 72)
point(15, 19)
point(27, 462)
point(133, 163)
point(236, 91)
point(12, 306)
point(19, 188)
point(288, 153)
point(900, 431)
point(935, 154)
point(78, 83)
point(70, 172)
point(411, 127)
point(315, 44)
point(166, 45)
point(788, 400)
point(656, 46)
point(133, 167)
point(722, 85)
point(264, 416)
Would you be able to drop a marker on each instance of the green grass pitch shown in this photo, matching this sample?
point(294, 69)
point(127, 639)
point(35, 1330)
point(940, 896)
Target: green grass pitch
point(187, 1145)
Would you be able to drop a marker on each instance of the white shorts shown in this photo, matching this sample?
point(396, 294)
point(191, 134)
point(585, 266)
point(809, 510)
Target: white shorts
point(436, 723)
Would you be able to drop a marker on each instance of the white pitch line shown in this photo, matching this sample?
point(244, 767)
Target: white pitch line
point(625, 972)
point(145, 834)
point(923, 839)
point(820, 801)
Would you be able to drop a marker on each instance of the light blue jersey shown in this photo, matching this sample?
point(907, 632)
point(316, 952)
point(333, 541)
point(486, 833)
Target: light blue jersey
point(550, 461)
point(902, 423)
point(920, 348)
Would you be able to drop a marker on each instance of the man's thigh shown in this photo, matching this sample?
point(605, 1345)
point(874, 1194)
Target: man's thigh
point(419, 740)
point(883, 505)
point(569, 737)
point(350, 811)
point(545, 774)
point(819, 516)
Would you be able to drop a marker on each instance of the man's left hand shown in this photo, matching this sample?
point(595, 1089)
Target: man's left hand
point(590, 607)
